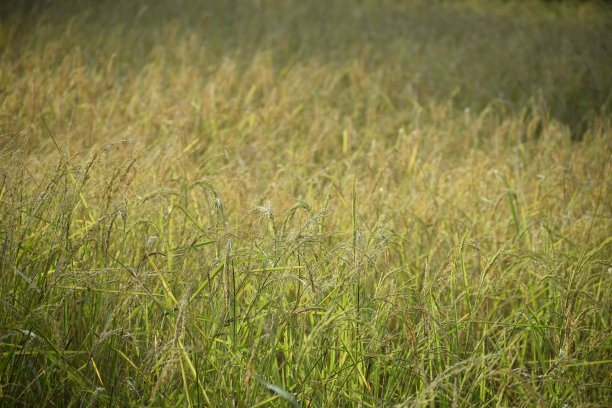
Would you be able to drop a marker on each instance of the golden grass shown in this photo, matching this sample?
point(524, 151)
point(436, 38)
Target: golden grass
point(327, 204)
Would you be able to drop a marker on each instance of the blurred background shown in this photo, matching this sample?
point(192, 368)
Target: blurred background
point(466, 53)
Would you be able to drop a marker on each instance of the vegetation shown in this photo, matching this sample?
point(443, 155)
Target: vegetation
point(347, 203)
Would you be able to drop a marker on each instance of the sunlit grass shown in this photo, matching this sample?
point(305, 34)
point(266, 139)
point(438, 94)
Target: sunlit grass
point(308, 204)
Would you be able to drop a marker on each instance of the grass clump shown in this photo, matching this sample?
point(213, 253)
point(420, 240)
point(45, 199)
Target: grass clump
point(307, 204)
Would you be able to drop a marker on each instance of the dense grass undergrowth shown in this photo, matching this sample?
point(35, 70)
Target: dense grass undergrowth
point(349, 203)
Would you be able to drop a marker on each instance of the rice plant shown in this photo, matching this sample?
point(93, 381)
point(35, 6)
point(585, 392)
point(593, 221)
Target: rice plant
point(306, 204)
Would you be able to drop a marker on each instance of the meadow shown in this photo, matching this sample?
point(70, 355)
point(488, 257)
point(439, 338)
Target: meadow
point(308, 204)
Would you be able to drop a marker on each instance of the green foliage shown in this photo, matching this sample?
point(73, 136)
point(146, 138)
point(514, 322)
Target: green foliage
point(305, 203)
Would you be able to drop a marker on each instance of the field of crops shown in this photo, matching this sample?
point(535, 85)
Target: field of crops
point(305, 203)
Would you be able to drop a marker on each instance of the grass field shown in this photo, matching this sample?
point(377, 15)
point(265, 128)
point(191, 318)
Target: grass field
point(306, 203)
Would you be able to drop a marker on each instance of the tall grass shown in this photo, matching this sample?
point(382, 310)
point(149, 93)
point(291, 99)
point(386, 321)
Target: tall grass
point(279, 203)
